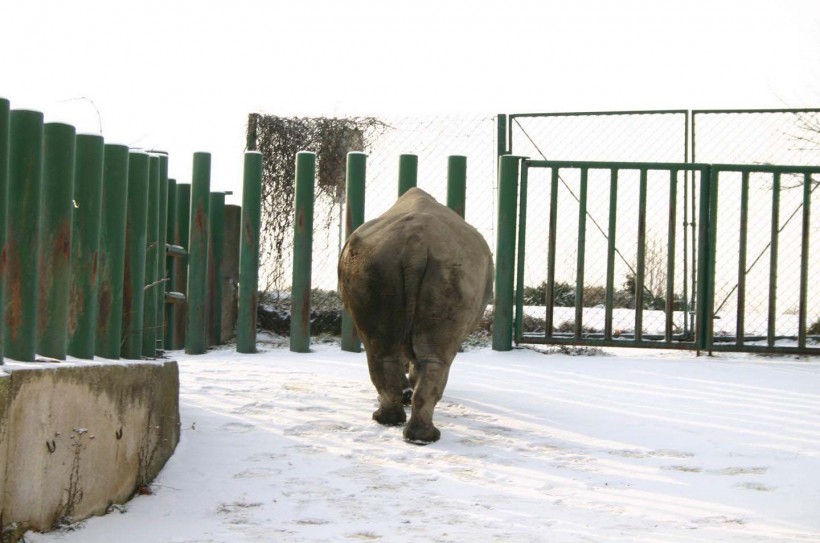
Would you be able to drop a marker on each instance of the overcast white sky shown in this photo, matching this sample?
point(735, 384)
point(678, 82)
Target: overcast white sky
point(182, 75)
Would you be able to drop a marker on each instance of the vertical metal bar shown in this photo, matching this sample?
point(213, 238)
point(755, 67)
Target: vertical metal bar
point(112, 251)
point(503, 144)
point(670, 255)
point(5, 108)
point(354, 217)
point(170, 264)
point(183, 216)
point(579, 267)
point(553, 233)
point(302, 252)
point(22, 240)
point(196, 333)
point(508, 171)
point(686, 307)
point(521, 257)
point(249, 253)
point(773, 250)
point(59, 145)
point(408, 172)
point(704, 311)
point(610, 254)
point(741, 261)
point(136, 236)
point(714, 185)
point(457, 183)
point(804, 262)
point(152, 257)
point(641, 267)
point(162, 241)
point(85, 246)
point(215, 276)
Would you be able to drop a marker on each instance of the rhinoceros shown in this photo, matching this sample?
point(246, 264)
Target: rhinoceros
point(416, 281)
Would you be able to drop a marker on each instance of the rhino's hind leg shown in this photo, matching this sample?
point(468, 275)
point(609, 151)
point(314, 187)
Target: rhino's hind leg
point(431, 378)
point(387, 374)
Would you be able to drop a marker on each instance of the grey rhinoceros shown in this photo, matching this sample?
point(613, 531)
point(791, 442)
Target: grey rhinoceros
point(416, 281)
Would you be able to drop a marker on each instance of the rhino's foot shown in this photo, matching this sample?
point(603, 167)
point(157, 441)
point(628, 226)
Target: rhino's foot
point(421, 434)
point(407, 396)
point(390, 416)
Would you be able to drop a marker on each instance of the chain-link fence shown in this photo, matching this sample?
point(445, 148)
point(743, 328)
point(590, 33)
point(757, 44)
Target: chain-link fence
point(432, 140)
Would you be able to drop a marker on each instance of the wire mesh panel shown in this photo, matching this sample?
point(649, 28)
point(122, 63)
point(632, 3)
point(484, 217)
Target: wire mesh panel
point(638, 136)
point(608, 253)
point(780, 136)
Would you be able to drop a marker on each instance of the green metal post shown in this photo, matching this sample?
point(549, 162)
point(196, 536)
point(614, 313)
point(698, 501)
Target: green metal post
point(249, 253)
point(59, 144)
point(581, 255)
point(354, 217)
point(505, 253)
point(152, 255)
point(520, 258)
point(302, 252)
point(773, 258)
point(804, 262)
point(215, 276)
point(640, 272)
point(161, 242)
point(503, 147)
point(610, 255)
point(85, 246)
point(457, 183)
point(703, 325)
point(408, 172)
point(549, 319)
point(170, 264)
point(196, 333)
point(183, 212)
point(136, 237)
point(4, 176)
point(112, 251)
point(22, 263)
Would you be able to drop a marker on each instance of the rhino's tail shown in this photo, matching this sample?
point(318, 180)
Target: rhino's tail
point(414, 266)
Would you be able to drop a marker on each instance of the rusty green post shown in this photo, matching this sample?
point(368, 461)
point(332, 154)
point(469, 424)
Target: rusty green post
point(112, 251)
point(170, 264)
point(505, 253)
point(24, 185)
point(161, 246)
point(354, 217)
point(56, 215)
point(249, 253)
point(408, 172)
point(85, 244)
point(215, 277)
point(196, 333)
point(457, 183)
point(183, 214)
point(152, 255)
point(136, 236)
point(302, 252)
point(4, 175)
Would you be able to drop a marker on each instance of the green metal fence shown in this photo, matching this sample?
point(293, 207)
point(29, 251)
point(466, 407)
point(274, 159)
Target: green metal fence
point(83, 228)
point(607, 283)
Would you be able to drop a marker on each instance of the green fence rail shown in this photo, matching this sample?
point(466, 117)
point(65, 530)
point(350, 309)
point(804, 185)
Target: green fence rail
point(92, 236)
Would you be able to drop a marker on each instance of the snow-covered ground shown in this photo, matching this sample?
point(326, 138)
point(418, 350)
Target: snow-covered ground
point(635, 446)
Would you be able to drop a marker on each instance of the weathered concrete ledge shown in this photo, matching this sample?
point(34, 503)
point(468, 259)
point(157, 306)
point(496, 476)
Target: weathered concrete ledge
point(76, 437)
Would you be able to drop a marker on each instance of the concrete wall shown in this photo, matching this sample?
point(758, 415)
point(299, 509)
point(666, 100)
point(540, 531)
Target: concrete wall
point(76, 438)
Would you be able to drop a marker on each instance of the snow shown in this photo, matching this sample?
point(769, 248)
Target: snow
point(623, 446)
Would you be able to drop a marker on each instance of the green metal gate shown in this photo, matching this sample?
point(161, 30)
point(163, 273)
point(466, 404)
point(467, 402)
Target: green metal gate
point(657, 255)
